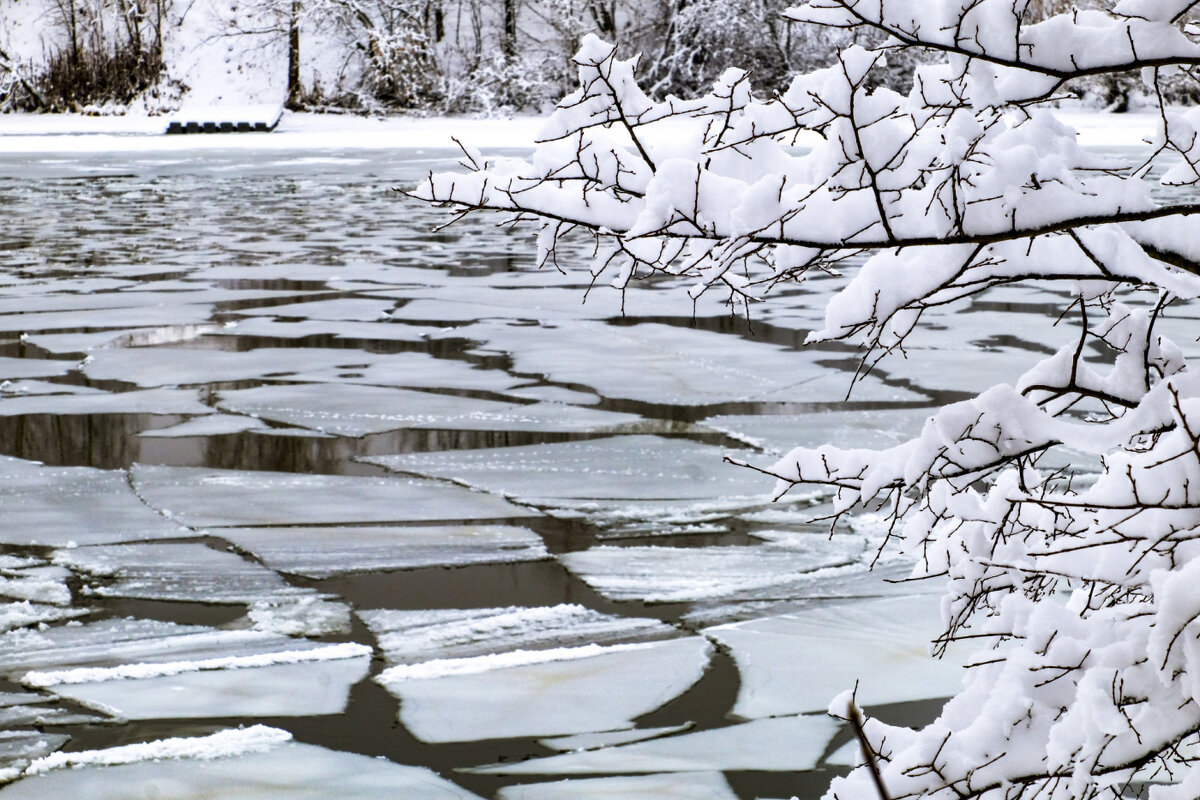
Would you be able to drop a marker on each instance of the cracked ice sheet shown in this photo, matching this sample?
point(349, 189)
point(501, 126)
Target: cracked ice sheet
point(779, 433)
point(799, 662)
point(470, 300)
point(239, 498)
point(324, 551)
point(543, 692)
point(179, 366)
point(666, 364)
point(355, 410)
point(781, 744)
point(177, 571)
point(62, 505)
point(11, 368)
point(298, 329)
point(856, 582)
point(671, 786)
point(210, 425)
point(116, 643)
point(131, 337)
point(142, 669)
point(687, 574)
point(152, 401)
point(616, 477)
point(137, 316)
point(41, 710)
point(280, 771)
point(591, 741)
point(24, 614)
point(19, 748)
point(38, 583)
point(349, 309)
point(414, 636)
point(282, 690)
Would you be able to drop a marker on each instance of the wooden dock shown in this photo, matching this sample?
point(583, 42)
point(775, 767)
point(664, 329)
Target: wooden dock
point(225, 119)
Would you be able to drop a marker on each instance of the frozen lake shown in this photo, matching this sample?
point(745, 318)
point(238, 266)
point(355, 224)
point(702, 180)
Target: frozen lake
point(275, 452)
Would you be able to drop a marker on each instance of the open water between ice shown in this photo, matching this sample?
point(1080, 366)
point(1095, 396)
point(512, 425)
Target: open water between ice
point(277, 456)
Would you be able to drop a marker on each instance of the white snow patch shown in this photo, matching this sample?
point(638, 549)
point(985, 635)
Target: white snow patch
point(223, 744)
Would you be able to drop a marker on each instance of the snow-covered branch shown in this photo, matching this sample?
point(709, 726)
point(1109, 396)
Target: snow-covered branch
point(1062, 511)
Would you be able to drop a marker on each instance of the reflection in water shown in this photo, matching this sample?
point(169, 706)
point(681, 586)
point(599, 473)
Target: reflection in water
point(105, 441)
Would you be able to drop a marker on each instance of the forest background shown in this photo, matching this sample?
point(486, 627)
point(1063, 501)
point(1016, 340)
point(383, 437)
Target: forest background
point(414, 56)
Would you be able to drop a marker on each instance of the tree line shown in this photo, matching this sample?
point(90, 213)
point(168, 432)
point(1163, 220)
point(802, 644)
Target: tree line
point(436, 56)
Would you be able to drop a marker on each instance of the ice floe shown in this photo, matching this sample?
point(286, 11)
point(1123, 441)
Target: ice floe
point(781, 744)
point(222, 744)
point(19, 748)
point(142, 669)
point(684, 574)
point(300, 689)
point(338, 329)
point(178, 366)
point(209, 425)
point(20, 615)
point(619, 477)
point(176, 571)
point(150, 401)
point(319, 552)
point(671, 786)
point(11, 368)
point(355, 410)
point(63, 505)
point(799, 662)
point(40, 584)
point(779, 433)
point(591, 741)
point(307, 615)
point(543, 692)
point(242, 764)
point(237, 498)
point(667, 364)
point(408, 637)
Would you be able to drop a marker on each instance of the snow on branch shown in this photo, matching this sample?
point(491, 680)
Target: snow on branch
point(1062, 511)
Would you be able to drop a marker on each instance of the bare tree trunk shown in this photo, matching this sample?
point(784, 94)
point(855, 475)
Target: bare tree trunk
point(293, 78)
point(508, 44)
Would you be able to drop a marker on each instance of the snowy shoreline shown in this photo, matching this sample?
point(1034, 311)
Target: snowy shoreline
point(76, 133)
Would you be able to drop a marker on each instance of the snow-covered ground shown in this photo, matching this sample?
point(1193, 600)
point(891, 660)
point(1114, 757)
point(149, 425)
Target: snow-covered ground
point(65, 133)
